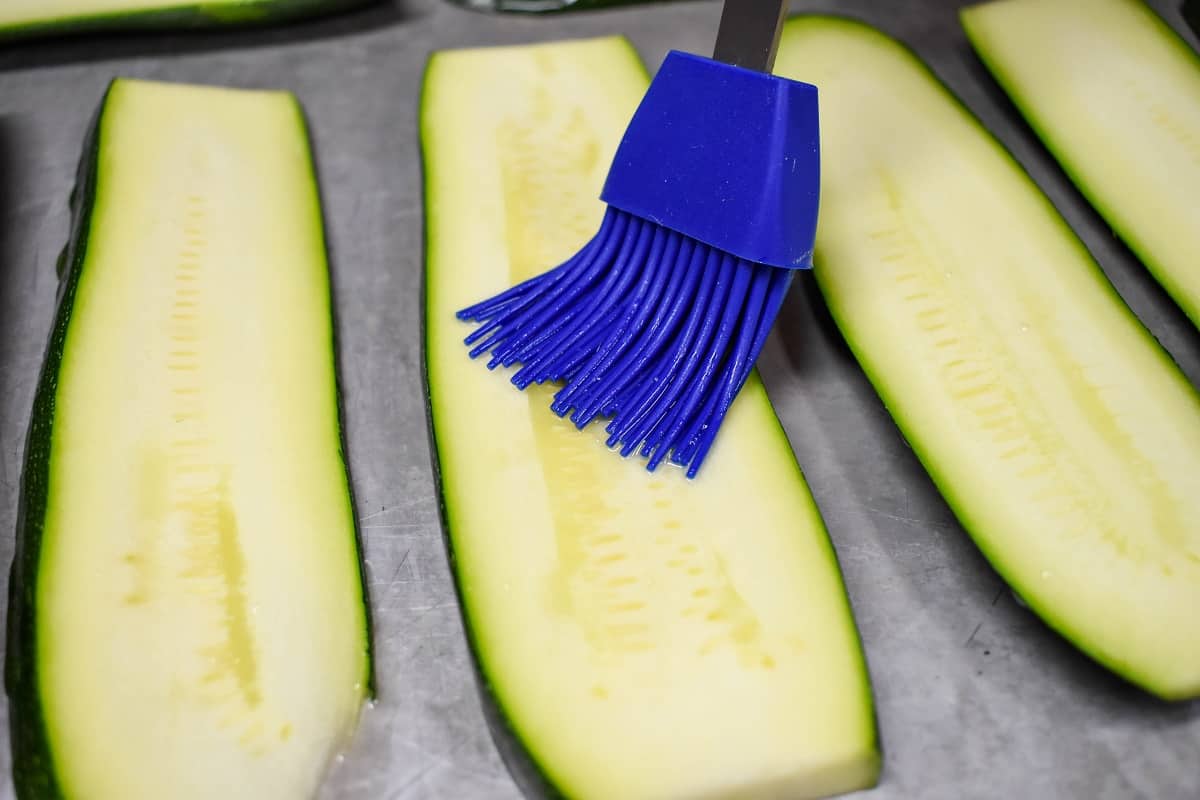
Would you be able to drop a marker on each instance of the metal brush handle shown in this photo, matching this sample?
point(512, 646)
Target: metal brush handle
point(748, 35)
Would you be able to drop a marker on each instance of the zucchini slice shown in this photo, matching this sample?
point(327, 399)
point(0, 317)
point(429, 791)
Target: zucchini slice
point(187, 616)
point(1114, 94)
point(20, 19)
point(1065, 439)
point(643, 636)
point(545, 6)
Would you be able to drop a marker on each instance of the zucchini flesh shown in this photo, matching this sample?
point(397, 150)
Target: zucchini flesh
point(28, 18)
point(643, 636)
point(1114, 93)
point(187, 616)
point(1066, 441)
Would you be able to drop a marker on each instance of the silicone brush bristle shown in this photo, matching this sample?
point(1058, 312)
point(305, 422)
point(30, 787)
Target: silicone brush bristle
point(645, 326)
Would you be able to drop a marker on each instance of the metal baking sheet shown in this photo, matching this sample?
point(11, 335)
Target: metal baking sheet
point(975, 698)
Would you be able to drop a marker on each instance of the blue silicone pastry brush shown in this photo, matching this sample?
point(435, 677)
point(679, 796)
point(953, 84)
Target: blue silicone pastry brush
point(711, 202)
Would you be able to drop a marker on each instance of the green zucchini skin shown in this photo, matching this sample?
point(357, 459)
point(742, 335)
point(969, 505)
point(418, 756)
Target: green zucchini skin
point(185, 16)
point(526, 772)
point(371, 679)
point(32, 763)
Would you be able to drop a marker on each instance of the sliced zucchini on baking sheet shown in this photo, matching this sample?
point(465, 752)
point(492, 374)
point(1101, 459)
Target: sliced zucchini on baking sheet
point(644, 636)
point(187, 617)
point(1114, 93)
point(28, 18)
point(1065, 439)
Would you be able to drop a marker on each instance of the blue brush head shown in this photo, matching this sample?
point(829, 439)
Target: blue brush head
point(728, 156)
point(655, 324)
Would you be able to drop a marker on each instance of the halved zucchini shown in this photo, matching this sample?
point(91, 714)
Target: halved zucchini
point(1064, 438)
point(645, 636)
point(1114, 94)
point(27, 18)
point(544, 6)
point(187, 617)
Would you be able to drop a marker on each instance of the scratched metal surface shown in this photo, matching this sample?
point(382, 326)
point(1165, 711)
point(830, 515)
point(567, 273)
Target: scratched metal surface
point(975, 698)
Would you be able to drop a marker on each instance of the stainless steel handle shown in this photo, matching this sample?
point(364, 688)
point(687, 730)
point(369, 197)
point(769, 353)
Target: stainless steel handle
point(748, 35)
